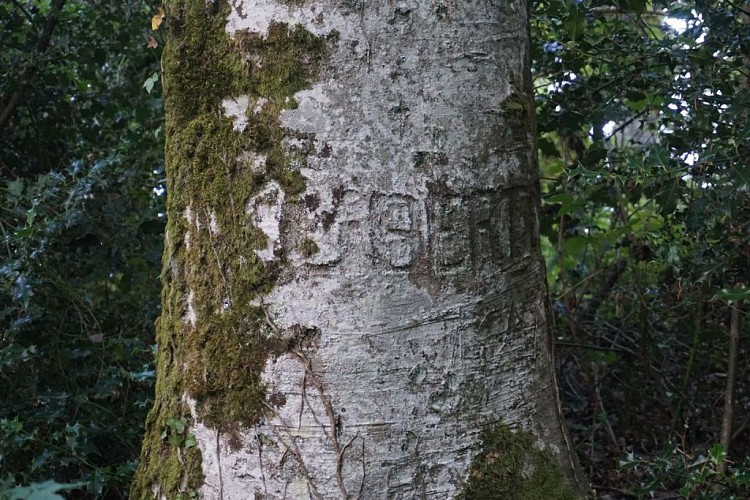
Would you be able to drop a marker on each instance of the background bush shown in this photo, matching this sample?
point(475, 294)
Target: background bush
point(81, 165)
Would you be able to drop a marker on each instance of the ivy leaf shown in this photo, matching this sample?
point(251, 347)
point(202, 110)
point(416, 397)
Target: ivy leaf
point(177, 424)
point(176, 440)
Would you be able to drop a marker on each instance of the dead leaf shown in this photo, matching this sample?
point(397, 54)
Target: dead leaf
point(152, 43)
point(157, 19)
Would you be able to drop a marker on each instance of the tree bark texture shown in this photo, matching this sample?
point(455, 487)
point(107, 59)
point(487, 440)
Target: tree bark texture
point(392, 196)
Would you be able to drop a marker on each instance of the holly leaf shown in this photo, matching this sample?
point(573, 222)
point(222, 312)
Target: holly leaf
point(48, 490)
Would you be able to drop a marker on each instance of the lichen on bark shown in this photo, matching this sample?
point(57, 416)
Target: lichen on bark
point(212, 335)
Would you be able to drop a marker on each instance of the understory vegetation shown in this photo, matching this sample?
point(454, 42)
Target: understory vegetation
point(644, 144)
point(643, 138)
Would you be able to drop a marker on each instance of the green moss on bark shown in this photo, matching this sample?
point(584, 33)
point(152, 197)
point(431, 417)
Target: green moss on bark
point(280, 64)
point(510, 467)
point(213, 342)
point(308, 247)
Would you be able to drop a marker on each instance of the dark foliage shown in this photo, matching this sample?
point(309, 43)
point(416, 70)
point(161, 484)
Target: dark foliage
point(643, 120)
point(80, 167)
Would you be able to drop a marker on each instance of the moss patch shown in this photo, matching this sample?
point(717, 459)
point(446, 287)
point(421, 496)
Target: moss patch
point(280, 64)
point(308, 247)
point(213, 343)
point(511, 467)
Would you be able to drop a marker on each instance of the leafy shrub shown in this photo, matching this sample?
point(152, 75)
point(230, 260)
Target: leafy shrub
point(81, 236)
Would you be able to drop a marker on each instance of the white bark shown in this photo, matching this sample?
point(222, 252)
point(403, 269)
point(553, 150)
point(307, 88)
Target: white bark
point(420, 320)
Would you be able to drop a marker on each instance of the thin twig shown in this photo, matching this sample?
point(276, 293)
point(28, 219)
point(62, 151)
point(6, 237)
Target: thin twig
point(302, 402)
point(291, 447)
point(728, 418)
point(325, 400)
point(331, 418)
point(260, 460)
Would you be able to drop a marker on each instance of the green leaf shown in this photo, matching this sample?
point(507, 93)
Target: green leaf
point(150, 82)
point(667, 198)
point(567, 203)
point(595, 154)
point(190, 442)
point(30, 216)
point(733, 295)
point(43, 6)
point(177, 425)
point(717, 454)
point(575, 21)
point(15, 188)
point(548, 148)
point(575, 245)
point(176, 440)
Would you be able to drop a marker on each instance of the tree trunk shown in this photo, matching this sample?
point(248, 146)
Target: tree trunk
point(354, 302)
